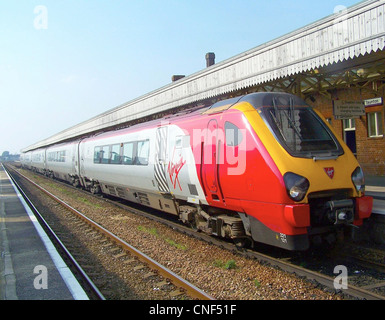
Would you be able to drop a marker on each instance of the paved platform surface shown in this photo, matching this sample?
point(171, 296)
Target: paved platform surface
point(30, 267)
point(375, 187)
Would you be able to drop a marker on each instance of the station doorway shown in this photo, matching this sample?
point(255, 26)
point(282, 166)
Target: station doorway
point(349, 127)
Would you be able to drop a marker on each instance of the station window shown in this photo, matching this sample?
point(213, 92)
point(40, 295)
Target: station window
point(375, 128)
point(349, 124)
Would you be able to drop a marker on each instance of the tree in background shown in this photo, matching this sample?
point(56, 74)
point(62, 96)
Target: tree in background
point(6, 156)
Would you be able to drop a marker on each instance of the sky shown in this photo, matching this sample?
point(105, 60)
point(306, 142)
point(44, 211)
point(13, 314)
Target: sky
point(65, 61)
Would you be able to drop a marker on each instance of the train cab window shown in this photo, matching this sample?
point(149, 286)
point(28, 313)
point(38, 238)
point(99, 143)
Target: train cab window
point(300, 130)
point(115, 154)
point(128, 153)
point(233, 134)
point(143, 153)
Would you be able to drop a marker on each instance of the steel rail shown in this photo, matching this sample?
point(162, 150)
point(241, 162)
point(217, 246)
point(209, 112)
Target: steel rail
point(191, 289)
point(320, 278)
point(92, 287)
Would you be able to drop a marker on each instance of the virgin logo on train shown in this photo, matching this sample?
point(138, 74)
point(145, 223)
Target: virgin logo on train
point(174, 168)
point(330, 172)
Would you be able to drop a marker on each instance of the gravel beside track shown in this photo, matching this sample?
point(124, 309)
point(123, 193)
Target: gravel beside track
point(220, 273)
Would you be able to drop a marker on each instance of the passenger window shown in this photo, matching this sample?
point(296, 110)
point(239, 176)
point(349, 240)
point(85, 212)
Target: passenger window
point(143, 152)
point(128, 151)
point(105, 154)
point(62, 156)
point(97, 155)
point(115, 154)
point(233, 134)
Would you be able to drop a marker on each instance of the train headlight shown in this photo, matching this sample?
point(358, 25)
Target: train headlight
point(296, 186)
point(358, 179)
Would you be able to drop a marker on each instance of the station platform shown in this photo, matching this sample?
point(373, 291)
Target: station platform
point(375, 187)
point(30, 267)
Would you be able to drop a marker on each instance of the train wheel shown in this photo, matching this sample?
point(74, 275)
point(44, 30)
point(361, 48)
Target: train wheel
point(194, 223)
point(76, 183)
point(95, 189)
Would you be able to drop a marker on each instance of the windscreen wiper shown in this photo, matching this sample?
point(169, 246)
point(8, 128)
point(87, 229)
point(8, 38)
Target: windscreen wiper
point(291, 122)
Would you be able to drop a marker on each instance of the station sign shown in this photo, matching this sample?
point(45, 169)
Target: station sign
point(373, 102)
point(345, 109)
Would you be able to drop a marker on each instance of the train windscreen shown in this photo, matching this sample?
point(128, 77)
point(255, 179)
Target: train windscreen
point(300, 130)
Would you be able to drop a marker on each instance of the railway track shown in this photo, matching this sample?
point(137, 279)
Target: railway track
point(118, 249)
point(281, 263)
point(369, 266)
point(292, 265)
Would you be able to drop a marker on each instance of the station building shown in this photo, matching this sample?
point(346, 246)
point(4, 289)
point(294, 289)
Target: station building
point(337, 64)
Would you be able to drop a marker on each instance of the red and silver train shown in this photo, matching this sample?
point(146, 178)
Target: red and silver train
point(263, 167)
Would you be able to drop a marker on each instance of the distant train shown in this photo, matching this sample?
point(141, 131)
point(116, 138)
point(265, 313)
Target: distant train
point(263, 167)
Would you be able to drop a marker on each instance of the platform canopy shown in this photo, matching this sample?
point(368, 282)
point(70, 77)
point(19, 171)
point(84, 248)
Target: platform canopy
point(351, 38)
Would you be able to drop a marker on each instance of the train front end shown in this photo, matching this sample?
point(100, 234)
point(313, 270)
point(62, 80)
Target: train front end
point(322, 180)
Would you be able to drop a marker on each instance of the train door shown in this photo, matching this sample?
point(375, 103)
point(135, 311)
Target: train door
point(80, 163)
point(45, 161)
point(75, 165)
point(160, 160)
point(74, 159)
point(211, 160)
